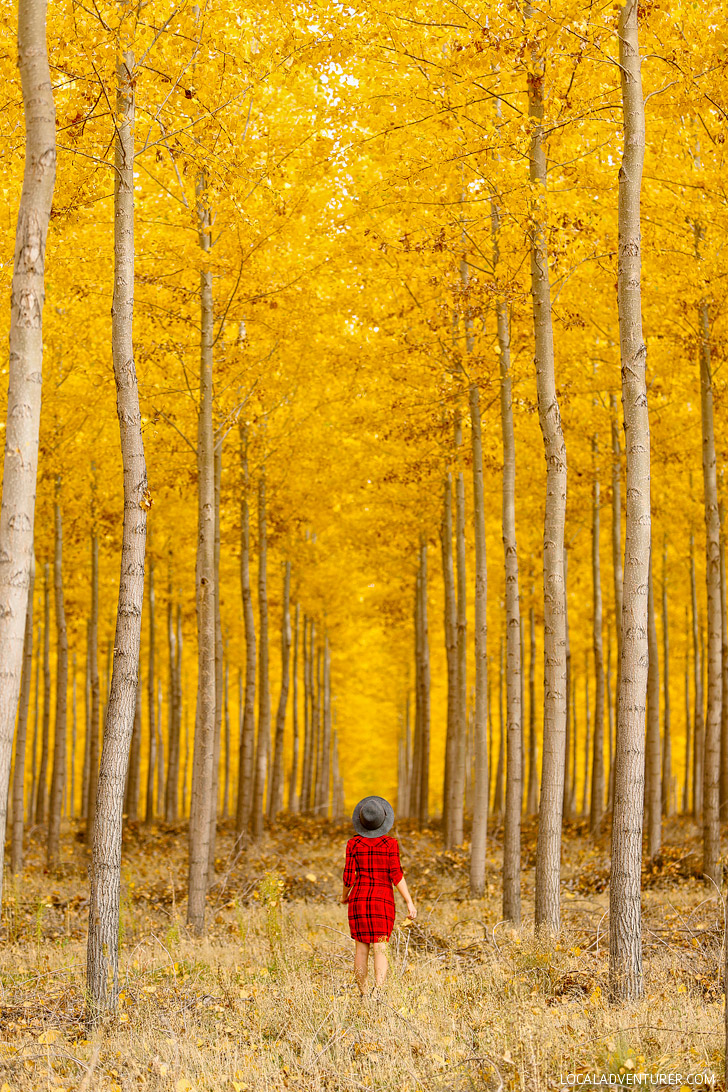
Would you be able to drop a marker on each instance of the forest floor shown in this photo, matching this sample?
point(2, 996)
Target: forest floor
point(267, 1001)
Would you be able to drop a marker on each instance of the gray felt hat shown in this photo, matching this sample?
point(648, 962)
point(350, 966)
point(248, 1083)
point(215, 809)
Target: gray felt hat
point(373, 816)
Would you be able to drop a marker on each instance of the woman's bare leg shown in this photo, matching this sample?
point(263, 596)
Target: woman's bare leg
point(361, 960)
point(380, 962)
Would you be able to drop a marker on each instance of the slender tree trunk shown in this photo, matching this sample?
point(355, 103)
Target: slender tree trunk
point(133, 780)
point(294, 800)
point(204, 745)
point(668, 805)
point(712, 741)
point(151, 693)
point(16, 846)
point(326, 729)
point(653, 779)
point(596, 815)
point(570, 731)
point(458, 771)
point(532, 798)
point(247, 735)
point(587, 741)
point(610, 711)
point(498, 798)
point(171, 796)
point(215, 788)
point(724, 688)
point(42, 794)
point(319, 723)
point(423, 689)
point(308, 627)
point(226, 728)
point(72, 786)
point(263, 747)
point(17, 515)
point(617, 571)
point(698, 715)
point(58, 780)
point(277, 780)
point(688, 725)
point(548, 852)
point(480, 709)
point(94, 746)
point(105, 872)
point(87, 735)
point(625, 933)
point(448, 577)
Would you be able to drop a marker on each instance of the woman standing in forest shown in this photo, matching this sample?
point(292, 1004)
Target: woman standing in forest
point(372, 867)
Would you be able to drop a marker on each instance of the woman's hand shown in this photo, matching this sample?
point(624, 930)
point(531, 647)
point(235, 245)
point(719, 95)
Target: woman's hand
point(344, 899)
point(411, 909)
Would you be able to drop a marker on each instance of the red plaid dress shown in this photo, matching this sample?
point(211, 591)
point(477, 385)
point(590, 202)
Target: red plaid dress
point(372, 866)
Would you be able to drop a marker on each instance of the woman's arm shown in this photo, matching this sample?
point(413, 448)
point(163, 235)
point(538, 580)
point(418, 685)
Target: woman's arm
point(404, 892)
point(345, 893)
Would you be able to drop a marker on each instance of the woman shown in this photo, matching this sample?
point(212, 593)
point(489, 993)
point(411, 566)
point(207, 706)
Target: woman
point(372, 867)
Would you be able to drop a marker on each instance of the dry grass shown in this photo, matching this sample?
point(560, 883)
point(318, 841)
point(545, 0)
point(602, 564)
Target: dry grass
point(267, 1000)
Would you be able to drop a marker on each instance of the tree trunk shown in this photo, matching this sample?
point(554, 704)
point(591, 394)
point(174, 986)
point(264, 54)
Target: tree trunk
point(570, 732)
point(587, 741)
point(451, 742)
point(263, 746)
point(247, 735)
point(724, 688)
point(294, 801)
point(423, 688)
point(698, 715)
point(326, 730)
point(625, 933)
point(480, 710)
point(712, 748)
point(151, 693)
point(215, 788)
point(617, 571)
point(277, 780)
point(653, 780)
point(17, 515)
point(58, 780)
point(306, 773)
point(171, 796)
point(133, 779)
point(42, 793)
point(611, 719)
point(458, 770)
point(498, 796)
point(668, 804)
point(16, 847)
point(548, 852)
point(105, 872)
point(204, 745)
point(94, 745)
point(226, 729)
point(532, 798)
point(688, 725)
point(596, 814)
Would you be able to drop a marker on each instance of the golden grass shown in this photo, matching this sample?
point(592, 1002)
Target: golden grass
point(267, 1000)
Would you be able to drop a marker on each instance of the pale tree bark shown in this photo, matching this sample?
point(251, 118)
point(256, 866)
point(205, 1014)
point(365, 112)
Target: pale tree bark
point(318, 727)
point(27, 294)
point(36, 722)
point(247, 734)
point(413, 795)
point(587, 741)
point(105, 871)
point(58, 780)
point(617, 570)
point(698, 713)
point(294, 800)
point(569, 811)
point(277, 780)
point(42, 793)
point(95, 726)
point(596, 814)
point(151, 690)
point(653, 777)
point(226, 729)
point(71, 796)
point(498, 794)
point(712, 748)
point(133, 777)
point(307, 771)
point(723, 796)
point(625, 932)
point(204, 744)
point(423, 688)
point(532, 796)
point(548, 851)
point(458, 770)
point(160, 751)
point(480, 633)
point(171, 795)
point(215, 788)
point(325, 804)
point(263, 742)
point(610, 722)
point(18, 829)
point(450, 618)
point(668, 802)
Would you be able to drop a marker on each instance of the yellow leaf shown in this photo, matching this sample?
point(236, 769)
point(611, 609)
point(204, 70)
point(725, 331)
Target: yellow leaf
point(49, 1036)
point(183, 1085)
point(310, 877)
